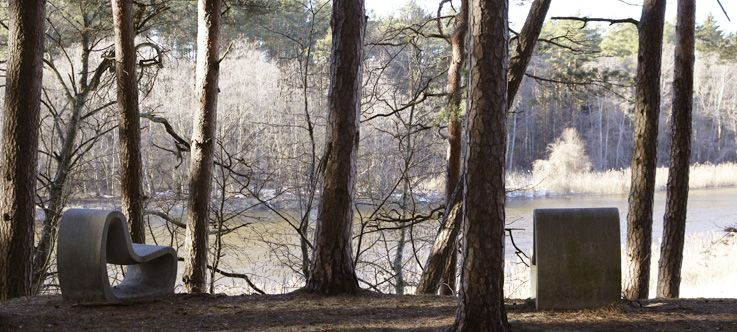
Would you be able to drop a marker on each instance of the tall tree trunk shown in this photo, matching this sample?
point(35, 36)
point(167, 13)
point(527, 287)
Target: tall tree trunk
point(482, 280)
point(620, 132)
point(129, 127)
point(57, 188)
point(512, 142)
point(333, 270)
point(444, 245)
point(644, 150)
point(20, 144)
point(453, 169)
point(203, 143)
point(526, 42)
point(397, 265)
point(304, 224)
point(674, 222)
point(88, 80)
point(448, 282)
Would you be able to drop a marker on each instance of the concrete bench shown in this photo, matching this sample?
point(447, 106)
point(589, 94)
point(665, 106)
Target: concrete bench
point(576, 258)
point(89, 240)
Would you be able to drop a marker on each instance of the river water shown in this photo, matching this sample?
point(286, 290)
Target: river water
point(709, 259)
point(268, 249)
point(709, 210)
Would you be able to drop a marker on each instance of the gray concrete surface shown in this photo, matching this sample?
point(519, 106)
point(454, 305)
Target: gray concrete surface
point(91, 239)
point(576, 258)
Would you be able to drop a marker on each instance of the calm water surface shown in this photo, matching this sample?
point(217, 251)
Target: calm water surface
point(708, 210)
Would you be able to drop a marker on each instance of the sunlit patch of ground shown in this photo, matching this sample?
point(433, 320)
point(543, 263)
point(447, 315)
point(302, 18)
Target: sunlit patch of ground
point(369, 312)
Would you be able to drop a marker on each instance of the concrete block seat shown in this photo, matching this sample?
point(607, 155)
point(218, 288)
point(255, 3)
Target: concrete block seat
point(89, 240)
point(576, 258)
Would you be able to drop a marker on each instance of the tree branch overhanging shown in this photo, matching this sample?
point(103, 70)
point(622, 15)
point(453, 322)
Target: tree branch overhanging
point(587, 20)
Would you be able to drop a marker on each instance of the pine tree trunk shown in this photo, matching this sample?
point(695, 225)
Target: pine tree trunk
point(674, 222)
point(333, 270)
point(644, 150)
point(526, 42)
point(203, 143)
point(482, 280)
point(444, 246)
point(447, 283)
point(20, 144)
point(129, 127)
point(429, 283)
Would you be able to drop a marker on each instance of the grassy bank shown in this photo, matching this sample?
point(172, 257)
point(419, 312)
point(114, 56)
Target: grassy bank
point(702, 176)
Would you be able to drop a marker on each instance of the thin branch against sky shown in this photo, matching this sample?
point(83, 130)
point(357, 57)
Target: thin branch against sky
point(723, 10)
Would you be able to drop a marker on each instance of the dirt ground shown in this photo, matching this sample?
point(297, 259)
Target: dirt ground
point(369, 312)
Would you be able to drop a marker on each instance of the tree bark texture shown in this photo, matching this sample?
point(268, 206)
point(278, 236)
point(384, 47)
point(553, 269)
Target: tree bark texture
point(482, 280)
point(525, 45)
point(129, 127)
point(674, 221)
point(444, 245)
point(333, 270)
point(518, 67)
point(203, 143)
point(644, 151)
point(20, 144)
point(447, 283)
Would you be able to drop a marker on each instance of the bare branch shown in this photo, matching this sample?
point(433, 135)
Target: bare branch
point(165, 217)
point(233, 275)
point(723, 10)
point(586, 20)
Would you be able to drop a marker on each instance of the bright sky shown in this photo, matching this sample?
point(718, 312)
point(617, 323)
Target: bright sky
point(592, 8)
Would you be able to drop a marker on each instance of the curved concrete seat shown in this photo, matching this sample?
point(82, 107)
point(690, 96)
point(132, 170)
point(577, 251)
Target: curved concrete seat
point(89, 240)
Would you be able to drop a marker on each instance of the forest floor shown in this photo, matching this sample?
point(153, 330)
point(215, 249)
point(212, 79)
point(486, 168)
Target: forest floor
point(370, 312)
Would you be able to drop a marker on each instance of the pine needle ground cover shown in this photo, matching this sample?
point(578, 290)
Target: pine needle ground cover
point(366, 312)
